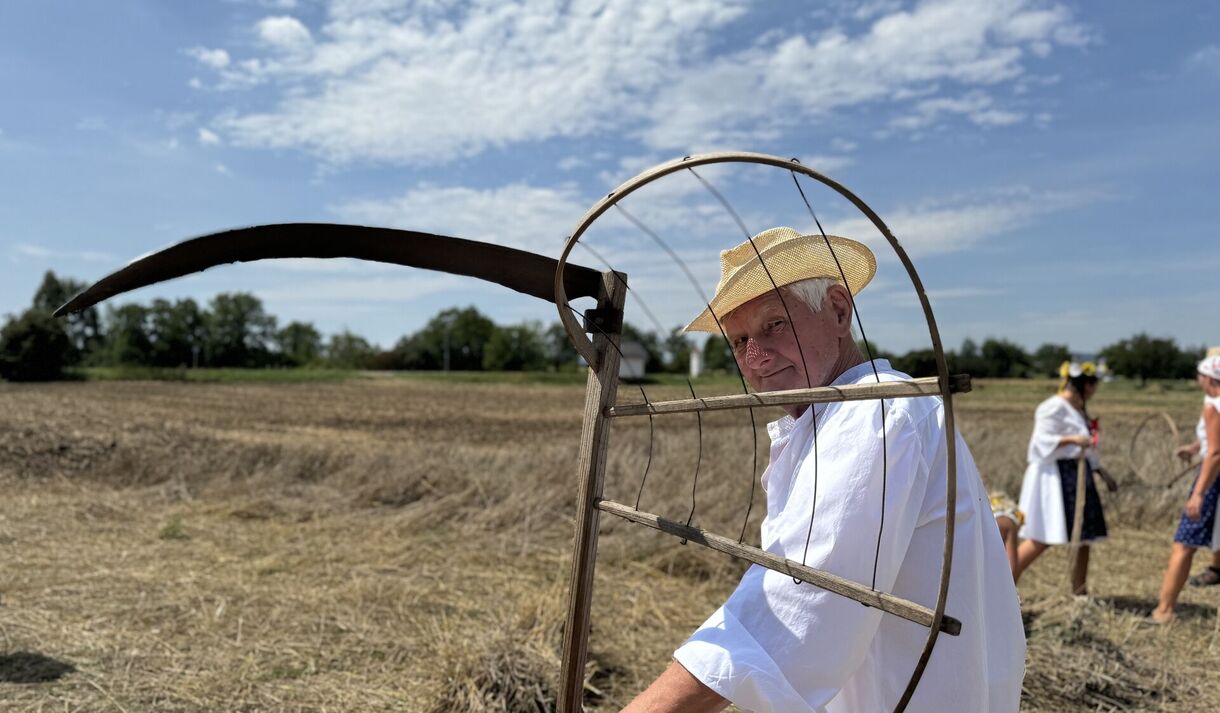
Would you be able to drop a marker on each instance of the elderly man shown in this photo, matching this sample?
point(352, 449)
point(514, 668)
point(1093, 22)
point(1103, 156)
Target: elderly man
point(777, 645)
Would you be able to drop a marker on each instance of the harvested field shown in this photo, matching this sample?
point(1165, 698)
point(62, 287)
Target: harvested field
point(402, 545)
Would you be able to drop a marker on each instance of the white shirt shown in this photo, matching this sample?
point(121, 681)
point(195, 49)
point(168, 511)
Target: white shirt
point(778, 646)
point(1201, 427)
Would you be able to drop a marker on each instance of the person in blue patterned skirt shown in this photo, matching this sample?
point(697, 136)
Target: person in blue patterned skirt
point(1197, 528)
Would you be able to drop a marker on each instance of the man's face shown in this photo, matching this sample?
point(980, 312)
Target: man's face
point(764, 340)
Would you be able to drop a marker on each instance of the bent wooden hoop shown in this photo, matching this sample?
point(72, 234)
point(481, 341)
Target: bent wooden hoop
point(603, 380)
point(1132, 448)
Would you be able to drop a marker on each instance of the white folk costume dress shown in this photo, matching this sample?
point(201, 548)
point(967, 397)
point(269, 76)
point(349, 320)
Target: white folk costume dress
point(1048, 491)
point(785, 647)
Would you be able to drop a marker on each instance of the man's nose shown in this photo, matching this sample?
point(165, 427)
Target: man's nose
point(756, 356)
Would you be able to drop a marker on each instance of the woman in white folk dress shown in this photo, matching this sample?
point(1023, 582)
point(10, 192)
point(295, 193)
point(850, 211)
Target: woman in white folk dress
point(1062, 430)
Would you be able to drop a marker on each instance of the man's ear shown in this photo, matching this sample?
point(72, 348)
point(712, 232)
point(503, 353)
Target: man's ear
point(840, 301)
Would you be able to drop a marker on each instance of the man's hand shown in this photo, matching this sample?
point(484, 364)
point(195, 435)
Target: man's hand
point(676, 691)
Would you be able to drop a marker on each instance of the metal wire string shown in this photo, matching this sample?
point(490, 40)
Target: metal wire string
point(698, 461)
point(813, 412)
point(622, 359)
point(744, 388)
point(869, 350)
point(651, 432)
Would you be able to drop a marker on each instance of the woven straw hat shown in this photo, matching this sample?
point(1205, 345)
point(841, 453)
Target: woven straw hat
point(789, 257)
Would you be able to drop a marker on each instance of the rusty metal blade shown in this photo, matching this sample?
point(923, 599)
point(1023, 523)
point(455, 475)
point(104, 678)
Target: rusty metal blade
point(519, 270)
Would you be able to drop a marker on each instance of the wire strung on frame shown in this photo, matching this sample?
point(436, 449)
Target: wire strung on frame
point(698, 461)
point(813, 411)
point(744, 388)
point(699, 416)
point(644, 307)
point(869, 350)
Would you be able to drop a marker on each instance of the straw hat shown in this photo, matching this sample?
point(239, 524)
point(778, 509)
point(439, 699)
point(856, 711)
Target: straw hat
point(789, 257)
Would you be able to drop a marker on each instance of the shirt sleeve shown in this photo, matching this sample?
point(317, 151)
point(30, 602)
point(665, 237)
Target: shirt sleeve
point(1050, 425)
point(777, 645)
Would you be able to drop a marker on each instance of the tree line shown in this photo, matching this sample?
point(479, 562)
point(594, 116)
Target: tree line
point(235, 330)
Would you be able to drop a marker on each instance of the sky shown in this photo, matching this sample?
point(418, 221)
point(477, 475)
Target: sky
point(1051, 167)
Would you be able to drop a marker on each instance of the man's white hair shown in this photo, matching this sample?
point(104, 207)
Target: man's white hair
point(812, 291)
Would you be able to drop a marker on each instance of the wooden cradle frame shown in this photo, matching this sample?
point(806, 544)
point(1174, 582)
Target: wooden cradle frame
point(559, 281)
point(601, 353)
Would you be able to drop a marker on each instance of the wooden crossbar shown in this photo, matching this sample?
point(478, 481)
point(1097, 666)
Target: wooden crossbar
point(927, 386)
point(887, 603)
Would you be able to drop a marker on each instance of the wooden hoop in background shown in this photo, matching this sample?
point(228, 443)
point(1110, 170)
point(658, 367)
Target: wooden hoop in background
point(1144, 474)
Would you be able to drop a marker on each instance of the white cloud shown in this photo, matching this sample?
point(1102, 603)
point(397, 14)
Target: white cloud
point(841, 144)
point(284, 33)
point(214, 58)
point(962, 223)
point(373, 288)
point(516, 215)
point(1206, 59)
point(901, 56)
point(872, 8)
point(962, 293)
point(979, 108)
point(208, 137)
point(40, 252)
point(222, 169)
point(91, 123)
point(426, 83)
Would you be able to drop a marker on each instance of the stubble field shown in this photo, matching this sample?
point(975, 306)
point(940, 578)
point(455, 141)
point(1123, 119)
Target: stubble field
point(402, 545)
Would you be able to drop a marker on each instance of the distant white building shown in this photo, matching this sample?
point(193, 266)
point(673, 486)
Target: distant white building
point(696, 360)
point(632, 364)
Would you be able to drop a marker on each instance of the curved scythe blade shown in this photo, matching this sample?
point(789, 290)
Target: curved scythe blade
point(519, 270)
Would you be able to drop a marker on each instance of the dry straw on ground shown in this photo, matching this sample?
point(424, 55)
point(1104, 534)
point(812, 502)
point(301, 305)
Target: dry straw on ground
point(387, 544)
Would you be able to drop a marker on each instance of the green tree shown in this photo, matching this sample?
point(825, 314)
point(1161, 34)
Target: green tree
point(917, 363)
point(717, 356)
point(299, 343)
point(517, 348)
point(83, 329)
point(346, 350)
point(240, 332)
point(557, 347)
point(178, 332)
point(968, 360)
point(1144, 357)
point(127, 335)
point(456, 337)
point(1005, 359)
point(677, 352)
point(33, 347)
point(1049, 357)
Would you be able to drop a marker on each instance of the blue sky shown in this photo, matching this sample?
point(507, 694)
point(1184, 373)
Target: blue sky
point(1052, 166)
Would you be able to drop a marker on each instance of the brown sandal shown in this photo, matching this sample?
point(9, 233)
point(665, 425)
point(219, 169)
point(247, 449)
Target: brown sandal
point(1206, 578)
